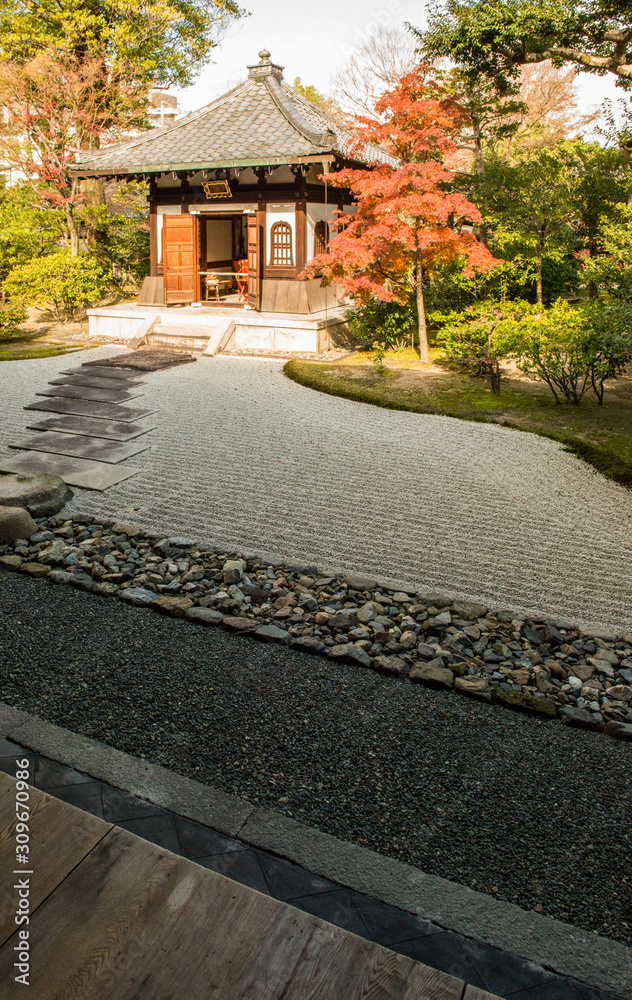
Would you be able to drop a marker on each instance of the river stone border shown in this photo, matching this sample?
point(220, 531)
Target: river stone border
point(542, 665)
point(559, 947)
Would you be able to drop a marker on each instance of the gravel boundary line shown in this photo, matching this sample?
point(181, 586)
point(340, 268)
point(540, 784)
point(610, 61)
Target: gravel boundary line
point(557, 946)
point(535, 664)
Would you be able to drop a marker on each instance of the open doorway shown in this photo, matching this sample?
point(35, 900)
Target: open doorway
point(223, 259)
point(212, 258)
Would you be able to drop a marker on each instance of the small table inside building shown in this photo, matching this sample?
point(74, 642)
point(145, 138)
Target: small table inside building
point(214, 280)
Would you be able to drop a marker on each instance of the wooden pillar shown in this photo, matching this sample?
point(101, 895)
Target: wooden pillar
point(153, 228)
point(185, 190)
point(300, 230)
point(300, 227)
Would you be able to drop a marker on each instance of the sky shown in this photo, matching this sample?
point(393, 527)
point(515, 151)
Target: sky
point(314, 40)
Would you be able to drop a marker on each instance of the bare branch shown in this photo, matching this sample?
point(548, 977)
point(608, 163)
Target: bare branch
point(376, 66)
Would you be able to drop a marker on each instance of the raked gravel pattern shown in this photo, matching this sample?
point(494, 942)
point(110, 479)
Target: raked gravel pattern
point(246, 459)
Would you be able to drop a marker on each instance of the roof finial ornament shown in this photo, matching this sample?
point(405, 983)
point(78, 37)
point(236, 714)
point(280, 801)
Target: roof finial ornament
point(265, 68)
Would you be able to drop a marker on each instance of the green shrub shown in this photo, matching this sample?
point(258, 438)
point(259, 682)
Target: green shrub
point(58, 282)
point(11, 316)
point(608, 331)
point(27, 229)
point(571, 349)
point(471, 338)
point(388, 323)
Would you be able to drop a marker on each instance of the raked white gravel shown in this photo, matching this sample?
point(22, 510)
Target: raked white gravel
point(247, 459)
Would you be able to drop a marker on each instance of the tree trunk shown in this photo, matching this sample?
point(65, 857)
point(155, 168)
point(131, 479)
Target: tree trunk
point(479, 159)
point(478, 146)
point(538, 279)
point(93, 193)
point(73, 232)
point(421, 312)
point(93, 190)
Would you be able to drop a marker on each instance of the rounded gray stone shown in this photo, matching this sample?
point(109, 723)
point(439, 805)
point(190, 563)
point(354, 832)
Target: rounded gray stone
point(205, 616)
point(270, 633)
point(15, 522)
point(40, 494)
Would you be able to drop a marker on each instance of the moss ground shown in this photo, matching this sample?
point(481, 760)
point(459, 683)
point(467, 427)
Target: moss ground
point(42, 343)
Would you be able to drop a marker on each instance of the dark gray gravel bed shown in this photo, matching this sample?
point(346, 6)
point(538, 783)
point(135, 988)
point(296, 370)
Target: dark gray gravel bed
point(512, 805)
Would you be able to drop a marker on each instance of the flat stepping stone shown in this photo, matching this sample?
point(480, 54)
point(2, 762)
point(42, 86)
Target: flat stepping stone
point(114, 430)
point(97, 383)
point(94, 449)
point(147, 360)
point(74, 471)
point(83, 392)
point(99, 372)
point(91, 408)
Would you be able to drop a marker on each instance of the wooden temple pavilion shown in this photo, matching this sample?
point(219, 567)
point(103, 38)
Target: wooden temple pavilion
point(238, 206)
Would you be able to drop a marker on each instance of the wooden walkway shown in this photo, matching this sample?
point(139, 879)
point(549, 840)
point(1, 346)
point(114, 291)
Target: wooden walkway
point(114, 917)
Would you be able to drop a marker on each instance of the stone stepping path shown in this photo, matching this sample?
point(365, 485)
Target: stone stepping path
point(91, 432)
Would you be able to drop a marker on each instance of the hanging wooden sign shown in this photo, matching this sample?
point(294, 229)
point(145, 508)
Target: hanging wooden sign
point(217, 189)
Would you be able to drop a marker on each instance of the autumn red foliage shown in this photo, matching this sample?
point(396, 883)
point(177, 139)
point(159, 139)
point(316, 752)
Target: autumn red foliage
point(408, 219)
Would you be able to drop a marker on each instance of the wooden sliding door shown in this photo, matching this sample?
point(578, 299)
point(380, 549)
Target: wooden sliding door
point(254, 260)
point(180, 258)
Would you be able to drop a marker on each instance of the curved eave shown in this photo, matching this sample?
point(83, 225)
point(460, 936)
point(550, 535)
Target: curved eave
point(327, 155)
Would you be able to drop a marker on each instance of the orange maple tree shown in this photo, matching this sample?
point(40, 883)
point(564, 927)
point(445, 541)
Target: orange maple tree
point(407, 220)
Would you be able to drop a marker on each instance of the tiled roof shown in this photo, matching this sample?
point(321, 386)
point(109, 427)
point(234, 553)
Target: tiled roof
point(263, 120)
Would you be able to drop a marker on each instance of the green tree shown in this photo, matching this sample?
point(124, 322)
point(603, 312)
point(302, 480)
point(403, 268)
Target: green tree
point(607, 268)
point(495, 39)
point(492, 112)
point(309, 91)
point(529, 204)
point(76, 73)
point(123, 227)
point(155, 42)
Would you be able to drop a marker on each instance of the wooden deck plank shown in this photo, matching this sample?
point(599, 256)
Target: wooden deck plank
point(474, 993)
point(131, 921)
point(425, 983)
point(60, 838)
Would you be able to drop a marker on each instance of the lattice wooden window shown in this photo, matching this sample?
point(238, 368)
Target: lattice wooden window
point(321, 237)
point(281, 245)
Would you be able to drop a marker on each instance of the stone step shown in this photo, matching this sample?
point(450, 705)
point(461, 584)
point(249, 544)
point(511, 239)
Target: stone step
point(82, 446)
point(74, 471)
point(180, 339)
point(90, 408)
point(85, 392)
point(96, 382)
point(114, 430)
point(104, 371)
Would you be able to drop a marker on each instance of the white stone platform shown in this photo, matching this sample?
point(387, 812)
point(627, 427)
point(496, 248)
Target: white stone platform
point(262, 331)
